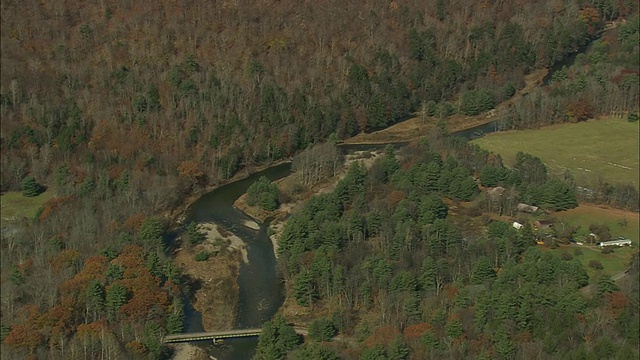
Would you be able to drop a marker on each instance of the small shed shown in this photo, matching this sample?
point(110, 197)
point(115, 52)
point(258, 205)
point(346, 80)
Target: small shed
point(517, 225)
point(543, 224)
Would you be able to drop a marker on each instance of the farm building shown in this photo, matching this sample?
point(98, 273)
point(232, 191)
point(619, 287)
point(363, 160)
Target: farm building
point(618, 242)
point(517, 225)
point(527, 208)
point(543, 224)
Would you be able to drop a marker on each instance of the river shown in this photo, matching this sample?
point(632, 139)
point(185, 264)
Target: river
point(261, 290)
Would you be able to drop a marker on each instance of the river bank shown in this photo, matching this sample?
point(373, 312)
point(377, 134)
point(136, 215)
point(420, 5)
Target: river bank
point(297, 194)
point(415, 128)
point(186, 351)
point(216, 294)
point(215, 279)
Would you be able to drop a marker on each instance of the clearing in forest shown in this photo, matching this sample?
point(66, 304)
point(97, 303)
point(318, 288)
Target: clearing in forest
point(15, 205)
point(605, 149)
point(621, 223)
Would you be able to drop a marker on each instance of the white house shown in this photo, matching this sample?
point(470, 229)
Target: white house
point(618, 242)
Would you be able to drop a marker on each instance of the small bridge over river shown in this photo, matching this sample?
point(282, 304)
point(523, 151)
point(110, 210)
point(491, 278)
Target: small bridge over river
point(218, 335)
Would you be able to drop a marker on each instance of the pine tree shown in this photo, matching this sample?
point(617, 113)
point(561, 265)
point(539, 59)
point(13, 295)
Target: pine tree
point(175, 319)
point(483, 270)
point(276, 339)
point(153, 264)
point(304, 289)
point(398, 350)
point(322, 330)
point(151, 233)
point(95, 299)
point(116, 296)
point(430, 341)
point(374, 353)
point(606, 285)
point(502, 343)
point(30, 187)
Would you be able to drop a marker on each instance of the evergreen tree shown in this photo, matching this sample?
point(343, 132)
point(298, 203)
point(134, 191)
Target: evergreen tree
point(398, 350)
point(175, 319)
point(30, 187)
point(151, 233)
point(322, 330)
point(558, 195)
point(95, 299)
point(430, 341)
point(276, 339)
point(153, 264)
point(117, 295)
point(429, 273)
point(606, 285)
point(530, 169)
point(483, 270)
point(432, 208)
point(194, 235)
point(374, 353)
point(304, 289)
point(453, 329)
point(263, 193)
point(152, 339)
point(171, 272)
point(390, 161)
point(114, 272)
point(502, 343)
point(315, 351)
point(526, 238)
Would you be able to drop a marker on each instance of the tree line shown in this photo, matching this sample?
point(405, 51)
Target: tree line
point(398, 271)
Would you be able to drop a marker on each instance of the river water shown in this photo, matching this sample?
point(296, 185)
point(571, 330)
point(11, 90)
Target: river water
point(261, 290)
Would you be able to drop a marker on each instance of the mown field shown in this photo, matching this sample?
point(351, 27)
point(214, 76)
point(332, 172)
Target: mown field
point(603, 148)
point(612, 264)
point(15, 205)
point(621, 223)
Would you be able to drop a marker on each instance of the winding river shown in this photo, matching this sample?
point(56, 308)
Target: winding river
point(261, 290)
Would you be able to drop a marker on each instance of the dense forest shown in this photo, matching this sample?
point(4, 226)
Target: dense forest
point(123, 108)
point(399, 264)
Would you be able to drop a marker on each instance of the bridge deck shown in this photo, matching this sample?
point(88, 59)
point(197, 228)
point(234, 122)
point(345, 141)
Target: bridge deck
point(186, 337)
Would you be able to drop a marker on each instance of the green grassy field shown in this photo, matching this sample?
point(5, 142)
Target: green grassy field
point(621, 223)
point(605, 148)
point(15, 205)
point(612, 264)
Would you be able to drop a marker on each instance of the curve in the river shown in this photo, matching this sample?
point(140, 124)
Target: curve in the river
point(261, 290)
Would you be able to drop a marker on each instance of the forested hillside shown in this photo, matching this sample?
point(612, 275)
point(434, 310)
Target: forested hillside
point(393, 260)
point(121, 109)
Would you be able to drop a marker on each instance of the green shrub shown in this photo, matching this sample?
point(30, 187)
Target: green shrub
point(202, 256)
point(264, 194)
point(194, 235)
point(595, 264)
point(607, 250)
